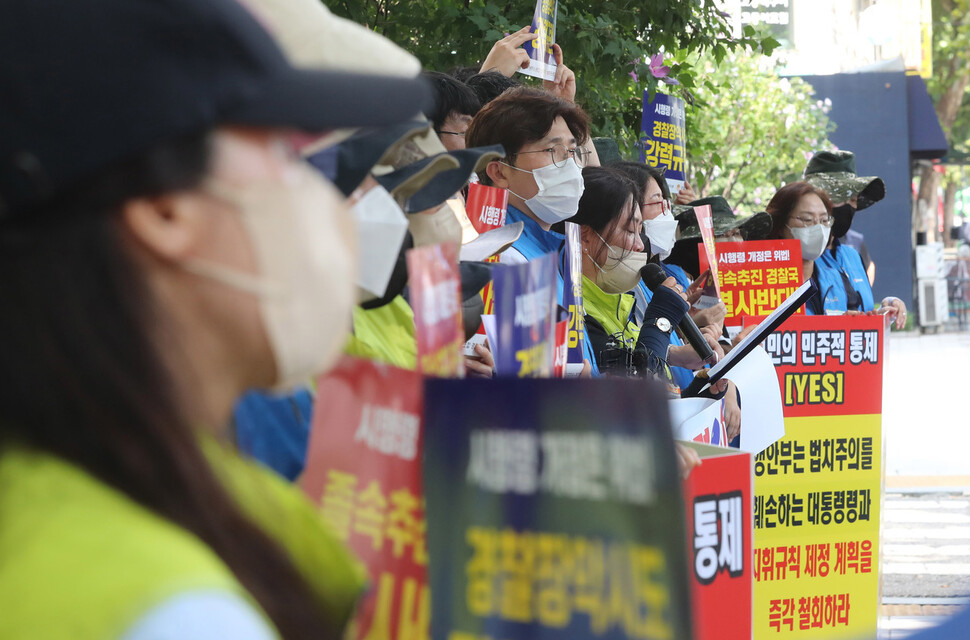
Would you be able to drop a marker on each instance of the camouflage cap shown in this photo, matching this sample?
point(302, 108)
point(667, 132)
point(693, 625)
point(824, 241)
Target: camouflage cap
point(753, 227)
point(834, 173)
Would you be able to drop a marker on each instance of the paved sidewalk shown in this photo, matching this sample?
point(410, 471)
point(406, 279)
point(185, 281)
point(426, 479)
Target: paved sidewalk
point(926, 425)
point(926, 406)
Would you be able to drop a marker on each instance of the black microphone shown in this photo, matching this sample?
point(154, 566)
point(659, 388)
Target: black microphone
point(653, 276)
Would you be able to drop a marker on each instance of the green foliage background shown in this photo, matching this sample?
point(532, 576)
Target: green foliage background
point(742, 120)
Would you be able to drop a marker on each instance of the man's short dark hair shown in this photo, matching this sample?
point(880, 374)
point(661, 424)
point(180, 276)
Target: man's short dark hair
point(520, 116)
point(450, 95)
point(489, 85)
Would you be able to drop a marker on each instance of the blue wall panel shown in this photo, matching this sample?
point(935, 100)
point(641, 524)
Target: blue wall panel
point(870, 111)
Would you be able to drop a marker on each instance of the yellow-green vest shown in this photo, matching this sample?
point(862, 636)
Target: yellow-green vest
point(80, 560)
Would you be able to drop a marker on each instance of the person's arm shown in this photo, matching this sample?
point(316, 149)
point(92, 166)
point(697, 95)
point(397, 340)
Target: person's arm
point(651, 351)
point(895, 309)
point(564, 84)
point(507, 55)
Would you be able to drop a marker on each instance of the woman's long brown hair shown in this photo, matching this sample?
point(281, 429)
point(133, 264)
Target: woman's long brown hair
point(81, 378)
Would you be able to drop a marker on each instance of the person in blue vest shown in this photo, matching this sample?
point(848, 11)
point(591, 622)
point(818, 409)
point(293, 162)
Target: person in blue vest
point(544, 138)
point(834, 172)
point(803, 212)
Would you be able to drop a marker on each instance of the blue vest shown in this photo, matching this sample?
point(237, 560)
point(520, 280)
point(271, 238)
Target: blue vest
point(536, 242)
point(831, 284)
point(678, 274)
point(275, 429)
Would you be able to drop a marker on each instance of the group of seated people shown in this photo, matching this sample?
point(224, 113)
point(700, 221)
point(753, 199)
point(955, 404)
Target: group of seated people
point(178, 182)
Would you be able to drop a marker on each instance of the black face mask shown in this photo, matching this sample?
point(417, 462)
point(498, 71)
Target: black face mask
point(843, 215)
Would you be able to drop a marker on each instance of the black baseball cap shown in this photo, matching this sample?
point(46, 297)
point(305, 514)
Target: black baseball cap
point(87, 83)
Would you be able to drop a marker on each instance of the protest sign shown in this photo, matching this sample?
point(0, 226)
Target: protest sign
point(817, 490)
point(699, 420)
point(554, 511)
point(755, 276)
point(562, 351)
point(486, 207)
point(572, 297)
point(542, 59)
point(717, 497)
point(364, 470)
point(436, 300)
point(711, 294)
point(663, 137)
point(525, 305)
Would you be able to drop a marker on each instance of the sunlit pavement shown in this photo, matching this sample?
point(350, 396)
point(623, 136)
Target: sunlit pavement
point(926, 516)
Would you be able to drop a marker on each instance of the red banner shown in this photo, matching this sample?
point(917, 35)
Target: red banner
point(718, 499)
point(364, 470)
point(829, 365)
point(756, 276)
point(486, 206)
point(436, 299)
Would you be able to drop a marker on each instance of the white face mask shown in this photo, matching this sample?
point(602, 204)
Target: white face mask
point(440, 227)
point(381, 227)
point(662, 232)
point(813, 239)
point(560, 189)
point(303, 241)
point(621, 273)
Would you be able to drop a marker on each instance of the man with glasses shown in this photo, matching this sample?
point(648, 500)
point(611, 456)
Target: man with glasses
point(454, 105)
point(544, 139)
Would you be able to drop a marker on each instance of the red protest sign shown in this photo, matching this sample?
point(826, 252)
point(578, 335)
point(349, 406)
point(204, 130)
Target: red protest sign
point(712, 288)
point(562, 349)
point(486, 206)
point(756, 276)
point(364, 470)
point(718, 499)
point(829, 365)
point(436, 300)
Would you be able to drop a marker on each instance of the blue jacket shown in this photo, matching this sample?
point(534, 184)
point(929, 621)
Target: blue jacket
point(829, 272)
point(536, 242)
point(275, 429)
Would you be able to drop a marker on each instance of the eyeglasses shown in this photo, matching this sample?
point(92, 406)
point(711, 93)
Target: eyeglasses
point(662, 205)
point(810, 222)
point(452, 133)
point(560, 154)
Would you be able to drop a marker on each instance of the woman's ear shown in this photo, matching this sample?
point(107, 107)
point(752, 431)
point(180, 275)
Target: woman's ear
point(168, 227)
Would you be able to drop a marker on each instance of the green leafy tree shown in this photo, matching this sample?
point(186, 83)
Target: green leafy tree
point(950, 88)
point(749, 130)
point(608, 43)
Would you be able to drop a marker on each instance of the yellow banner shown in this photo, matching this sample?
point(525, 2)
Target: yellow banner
point(816, 536)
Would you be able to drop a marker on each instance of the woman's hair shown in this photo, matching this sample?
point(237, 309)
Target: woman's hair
point(606, 193)
point(82, 378)
point(639, 172)
point(784, 202)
